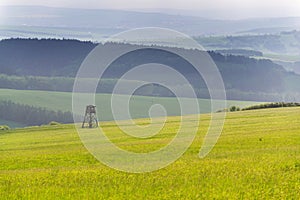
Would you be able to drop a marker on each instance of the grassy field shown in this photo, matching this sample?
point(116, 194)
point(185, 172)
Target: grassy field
point(139, 105)
point(256, 157)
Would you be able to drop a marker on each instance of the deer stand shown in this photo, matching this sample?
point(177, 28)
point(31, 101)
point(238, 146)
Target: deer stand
point(90, 117)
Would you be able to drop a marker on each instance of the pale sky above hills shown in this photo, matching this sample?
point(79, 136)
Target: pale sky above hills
point(229, 9)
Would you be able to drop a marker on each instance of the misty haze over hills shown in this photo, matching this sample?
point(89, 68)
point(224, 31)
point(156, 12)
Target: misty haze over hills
point(238, 40)
point(27, 64)
point(42, 48)
point(105, 22)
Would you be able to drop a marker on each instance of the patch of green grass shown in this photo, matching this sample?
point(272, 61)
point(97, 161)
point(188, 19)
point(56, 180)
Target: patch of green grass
point(256, 157)
point(139, 105)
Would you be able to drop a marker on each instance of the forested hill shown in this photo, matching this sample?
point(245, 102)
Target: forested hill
point(50, 57)
point(46, 57)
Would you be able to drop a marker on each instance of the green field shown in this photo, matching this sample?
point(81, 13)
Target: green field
point(139, 105)
point(256, 157)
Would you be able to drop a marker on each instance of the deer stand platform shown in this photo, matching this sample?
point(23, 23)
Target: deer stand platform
point(90, 117)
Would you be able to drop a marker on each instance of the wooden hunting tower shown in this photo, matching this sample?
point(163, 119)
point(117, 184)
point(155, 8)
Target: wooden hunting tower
point(90, 117)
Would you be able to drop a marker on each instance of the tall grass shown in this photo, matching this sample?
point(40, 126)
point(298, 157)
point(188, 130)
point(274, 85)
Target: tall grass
point(256, 157)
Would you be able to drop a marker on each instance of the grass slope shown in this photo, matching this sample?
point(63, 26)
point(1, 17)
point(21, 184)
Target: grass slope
point(139, 105)
point(256, 157)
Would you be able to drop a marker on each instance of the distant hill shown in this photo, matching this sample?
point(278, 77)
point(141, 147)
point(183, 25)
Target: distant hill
point(95, 23)
point(62, 58)
point(282, 44)
point(46, 57)
point(239, 52)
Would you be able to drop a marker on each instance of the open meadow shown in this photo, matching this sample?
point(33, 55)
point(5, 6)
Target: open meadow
point(256, 157)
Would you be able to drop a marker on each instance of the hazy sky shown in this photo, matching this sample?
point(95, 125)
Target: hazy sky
point(225, 8)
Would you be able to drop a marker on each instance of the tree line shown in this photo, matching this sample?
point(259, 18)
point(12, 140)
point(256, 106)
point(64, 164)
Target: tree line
point(65, 84)
point(30, 115)
point(272, 105)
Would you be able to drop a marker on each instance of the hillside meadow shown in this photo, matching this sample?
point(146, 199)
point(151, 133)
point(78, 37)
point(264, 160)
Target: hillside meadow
point(256, 157)
point(139, 105)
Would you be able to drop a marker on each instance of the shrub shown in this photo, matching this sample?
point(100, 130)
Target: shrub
point(4, 128)
point(53, 123)
point(234, 108)
point(223, 110)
